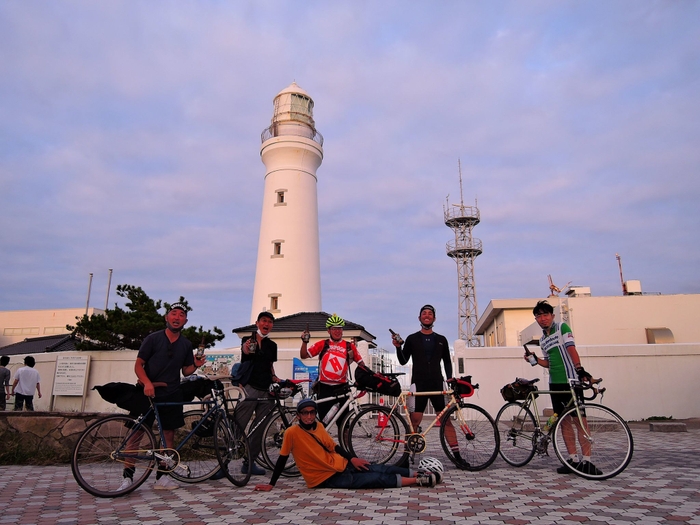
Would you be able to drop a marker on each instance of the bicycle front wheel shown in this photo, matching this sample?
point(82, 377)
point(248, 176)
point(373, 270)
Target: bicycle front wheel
point(378, 436)
point(198, 461)
point(105, 449)
point(272, 441)
point(604, 436)
point(232, 450)
point(516, 429)
point(477, 437)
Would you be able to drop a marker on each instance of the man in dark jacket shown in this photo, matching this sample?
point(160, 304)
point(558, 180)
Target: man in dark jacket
point(428, 349)
point(262, 351)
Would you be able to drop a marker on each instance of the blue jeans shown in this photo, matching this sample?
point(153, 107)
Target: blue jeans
point(377, 477)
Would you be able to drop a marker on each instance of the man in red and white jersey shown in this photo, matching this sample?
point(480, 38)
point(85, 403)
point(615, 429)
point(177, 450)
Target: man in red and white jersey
point(334, 358)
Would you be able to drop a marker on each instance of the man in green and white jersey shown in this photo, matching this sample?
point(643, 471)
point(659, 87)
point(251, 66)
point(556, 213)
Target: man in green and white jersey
point(564, 364)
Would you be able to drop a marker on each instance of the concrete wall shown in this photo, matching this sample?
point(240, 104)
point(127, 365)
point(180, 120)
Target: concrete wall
point(619, 320)
point(641, 380)
point(105, 367)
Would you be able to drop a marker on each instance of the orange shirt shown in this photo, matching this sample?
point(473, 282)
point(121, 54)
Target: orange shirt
point(315, 464)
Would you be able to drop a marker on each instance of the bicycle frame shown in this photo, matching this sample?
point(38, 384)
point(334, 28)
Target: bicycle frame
point(279, 409)
point(161, 453)
point(401, 401)
point(531, 401)
point(349, 405)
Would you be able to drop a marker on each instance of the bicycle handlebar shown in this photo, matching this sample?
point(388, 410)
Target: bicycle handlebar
point(590, 385)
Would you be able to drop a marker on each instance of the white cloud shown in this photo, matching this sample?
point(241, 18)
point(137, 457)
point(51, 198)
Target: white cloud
point(130, 135)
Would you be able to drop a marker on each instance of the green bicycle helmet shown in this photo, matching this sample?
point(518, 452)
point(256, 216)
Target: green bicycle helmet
point(335, 321)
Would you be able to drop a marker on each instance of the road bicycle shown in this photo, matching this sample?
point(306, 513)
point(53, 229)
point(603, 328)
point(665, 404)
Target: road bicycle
point(523, 434)
point(382, 435)
point(112, 443)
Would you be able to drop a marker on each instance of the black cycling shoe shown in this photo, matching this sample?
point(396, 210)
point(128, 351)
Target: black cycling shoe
point(568, 468)
point(588, 468)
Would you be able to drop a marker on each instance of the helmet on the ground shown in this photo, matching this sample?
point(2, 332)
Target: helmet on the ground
point(335, 321)
point(306, 403)
point(431, 464)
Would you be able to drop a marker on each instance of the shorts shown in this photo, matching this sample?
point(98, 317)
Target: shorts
point(560, 401)
point(170, 415)
point(438, 403)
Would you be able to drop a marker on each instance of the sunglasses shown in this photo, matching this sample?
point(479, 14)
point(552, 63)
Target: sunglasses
point(311, 412)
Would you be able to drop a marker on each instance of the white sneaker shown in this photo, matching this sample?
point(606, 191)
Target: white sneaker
point(426, 479)
point(126, 483)
point(437, 474)
point(166, 483)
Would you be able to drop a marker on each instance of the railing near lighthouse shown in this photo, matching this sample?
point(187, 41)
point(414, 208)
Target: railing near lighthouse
point(297, 130)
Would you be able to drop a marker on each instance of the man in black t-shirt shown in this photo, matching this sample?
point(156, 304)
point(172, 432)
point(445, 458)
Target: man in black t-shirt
point(257, 398)
point(428, 349)
point(161, 358)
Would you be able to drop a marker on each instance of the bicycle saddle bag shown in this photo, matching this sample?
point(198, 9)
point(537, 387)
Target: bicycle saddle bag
point(371, 381)
point(518, 390)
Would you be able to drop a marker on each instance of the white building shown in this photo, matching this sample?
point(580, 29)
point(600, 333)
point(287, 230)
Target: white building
point(646, 348)
point(18, 325)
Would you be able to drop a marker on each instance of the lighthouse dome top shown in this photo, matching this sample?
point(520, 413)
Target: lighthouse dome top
point(293, 88)
point(293, 115)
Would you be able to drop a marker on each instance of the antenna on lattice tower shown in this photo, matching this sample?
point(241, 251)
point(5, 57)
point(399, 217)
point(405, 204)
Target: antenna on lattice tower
point(464, 249)
point(554, 290)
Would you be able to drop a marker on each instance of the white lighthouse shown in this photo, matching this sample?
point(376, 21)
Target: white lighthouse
point(288, 271)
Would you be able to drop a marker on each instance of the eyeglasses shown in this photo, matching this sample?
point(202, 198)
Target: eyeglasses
point(542, 314)
point(311, 412)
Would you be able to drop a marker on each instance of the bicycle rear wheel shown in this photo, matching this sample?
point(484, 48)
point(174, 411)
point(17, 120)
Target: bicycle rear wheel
point(232, 450)
point(610, 439)
point(378, 436)
point(516, 428)
point(198, 461)
point(105, 449)
point(477, 437)
point(272, 442)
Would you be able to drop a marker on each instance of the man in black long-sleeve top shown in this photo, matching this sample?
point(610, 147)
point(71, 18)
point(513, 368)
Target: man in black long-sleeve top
point(428, 349)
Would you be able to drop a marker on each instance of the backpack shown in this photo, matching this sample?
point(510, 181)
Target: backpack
point(241, 372)
point(371, 381)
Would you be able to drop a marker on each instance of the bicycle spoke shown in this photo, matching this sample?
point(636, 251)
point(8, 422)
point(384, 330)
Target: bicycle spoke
point(516, 428)
point(105, 449)
point(198, 461)
point(604, 436)
point(272, 442)
point(232, 450)
point(476, 445)
point(376, 436)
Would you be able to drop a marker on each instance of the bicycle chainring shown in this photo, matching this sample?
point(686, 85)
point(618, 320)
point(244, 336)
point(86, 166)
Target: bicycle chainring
point(415, 443)
point(541, 442)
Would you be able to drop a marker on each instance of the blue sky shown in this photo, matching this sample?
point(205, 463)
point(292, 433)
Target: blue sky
point(130, 136)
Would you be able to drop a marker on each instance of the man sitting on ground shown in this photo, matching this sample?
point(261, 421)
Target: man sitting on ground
point(324, 464)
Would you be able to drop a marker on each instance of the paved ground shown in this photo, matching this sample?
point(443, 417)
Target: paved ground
point(661, 485)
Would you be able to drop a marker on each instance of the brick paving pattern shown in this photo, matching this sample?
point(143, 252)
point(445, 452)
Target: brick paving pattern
point(661, 485)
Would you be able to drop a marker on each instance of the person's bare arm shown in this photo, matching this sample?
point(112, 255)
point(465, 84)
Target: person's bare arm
point(148, 388)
